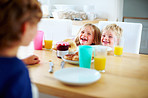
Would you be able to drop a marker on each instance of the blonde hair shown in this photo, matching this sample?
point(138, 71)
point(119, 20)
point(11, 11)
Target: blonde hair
point(115, 28)
point(97, 35)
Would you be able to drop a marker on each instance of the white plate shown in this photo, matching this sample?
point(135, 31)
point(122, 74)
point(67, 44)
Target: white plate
point(73, 62)
point(77, 76)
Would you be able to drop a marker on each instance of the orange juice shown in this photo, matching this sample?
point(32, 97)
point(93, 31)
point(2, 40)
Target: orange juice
point(118, 50)
point(48, 44)
point(99, 62)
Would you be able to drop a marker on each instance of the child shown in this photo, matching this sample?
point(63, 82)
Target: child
point(109, 34)
point(18, 26)
point(89, 34)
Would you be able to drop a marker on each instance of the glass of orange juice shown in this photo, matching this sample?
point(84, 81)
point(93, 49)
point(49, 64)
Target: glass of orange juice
point(118, 46)
point(48, 41)
point(100, 54)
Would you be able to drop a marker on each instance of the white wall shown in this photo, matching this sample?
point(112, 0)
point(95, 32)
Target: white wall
point(110, 9)
point(120, 4)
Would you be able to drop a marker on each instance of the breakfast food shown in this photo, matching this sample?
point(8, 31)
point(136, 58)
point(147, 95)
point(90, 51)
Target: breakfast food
point(62, 49)
point(62, 46)
point(74, 57)
point(68, 56)
point(72, 45)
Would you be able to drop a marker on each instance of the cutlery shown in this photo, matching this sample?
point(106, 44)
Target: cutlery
point(62, 64)
point(50, 66)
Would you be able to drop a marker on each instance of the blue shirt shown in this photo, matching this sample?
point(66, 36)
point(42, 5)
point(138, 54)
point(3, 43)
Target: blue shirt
point(14, 79)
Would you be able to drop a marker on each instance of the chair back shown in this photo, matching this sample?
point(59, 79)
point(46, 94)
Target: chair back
point(131, 33)
point(60, 28)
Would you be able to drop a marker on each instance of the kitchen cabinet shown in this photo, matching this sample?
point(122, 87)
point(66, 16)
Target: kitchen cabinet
point(80, 23)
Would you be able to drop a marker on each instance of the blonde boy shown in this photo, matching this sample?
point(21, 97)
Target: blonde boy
point(110, 34)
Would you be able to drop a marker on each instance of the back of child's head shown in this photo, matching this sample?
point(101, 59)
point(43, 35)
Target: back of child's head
point(97, 34)
point(115, 28)
point(14, 13)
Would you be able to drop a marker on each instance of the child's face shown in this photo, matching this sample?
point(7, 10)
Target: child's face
point(107, 38)
point(86, 35)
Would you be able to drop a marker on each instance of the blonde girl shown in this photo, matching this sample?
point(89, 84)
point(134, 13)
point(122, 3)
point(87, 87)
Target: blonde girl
point(89, 34)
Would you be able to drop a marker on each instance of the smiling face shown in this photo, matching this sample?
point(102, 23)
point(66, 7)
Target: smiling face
point(86, 35)
point(107, 38)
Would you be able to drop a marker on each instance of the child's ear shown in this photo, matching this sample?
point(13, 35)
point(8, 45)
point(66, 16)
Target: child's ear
point(24, 27)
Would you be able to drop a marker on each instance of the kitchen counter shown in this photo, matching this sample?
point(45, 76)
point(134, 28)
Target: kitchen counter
point(80, 23)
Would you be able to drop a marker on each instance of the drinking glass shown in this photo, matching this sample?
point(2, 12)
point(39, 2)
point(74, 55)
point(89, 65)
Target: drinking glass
point(48, 41)
point(100, 54)
point(118, 46)
point(85, 55)
point(38, 40)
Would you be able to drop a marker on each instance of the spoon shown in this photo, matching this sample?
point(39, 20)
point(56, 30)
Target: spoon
point(50, 66)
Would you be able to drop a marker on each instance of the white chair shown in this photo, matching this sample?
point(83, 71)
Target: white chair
point(131, 33)
point(60, 28)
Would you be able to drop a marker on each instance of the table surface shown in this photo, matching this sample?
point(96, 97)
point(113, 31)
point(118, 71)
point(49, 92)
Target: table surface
point(125, 76)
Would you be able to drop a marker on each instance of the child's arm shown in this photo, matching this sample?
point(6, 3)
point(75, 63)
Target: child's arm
point(31, 60)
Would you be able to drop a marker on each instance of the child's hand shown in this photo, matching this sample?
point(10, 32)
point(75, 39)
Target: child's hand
point(31, 60)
